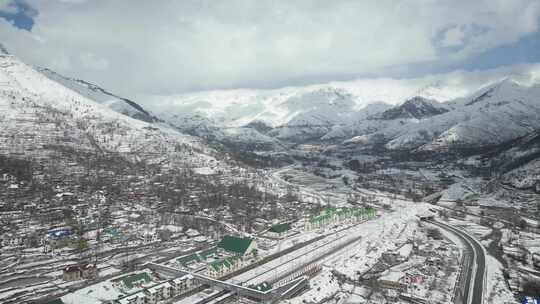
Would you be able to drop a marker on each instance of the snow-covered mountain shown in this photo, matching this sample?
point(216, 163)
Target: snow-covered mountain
point(98, 94)
point(499, 113)
point(333, 111)
point(288, 114)
point(402, 114)
point(495, 114)
point(315, 113)
point(40, 117)
point(291, 114)
point(414, 108)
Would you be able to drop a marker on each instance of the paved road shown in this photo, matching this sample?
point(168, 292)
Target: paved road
point(474, 280)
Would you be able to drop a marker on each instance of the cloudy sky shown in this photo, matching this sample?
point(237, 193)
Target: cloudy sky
point(165, 47)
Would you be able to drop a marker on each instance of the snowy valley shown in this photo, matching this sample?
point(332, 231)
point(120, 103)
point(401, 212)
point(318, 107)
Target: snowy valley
point(351, 192)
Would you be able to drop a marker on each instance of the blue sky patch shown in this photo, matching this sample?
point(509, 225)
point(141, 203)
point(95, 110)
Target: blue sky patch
point(20, 14)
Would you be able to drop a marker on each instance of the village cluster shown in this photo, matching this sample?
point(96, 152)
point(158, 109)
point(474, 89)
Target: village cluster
point(218, 260)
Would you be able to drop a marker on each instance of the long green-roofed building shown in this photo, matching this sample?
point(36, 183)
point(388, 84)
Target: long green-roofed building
point(336, 215)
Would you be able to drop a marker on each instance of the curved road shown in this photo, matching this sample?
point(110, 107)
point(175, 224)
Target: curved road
point(475, 268)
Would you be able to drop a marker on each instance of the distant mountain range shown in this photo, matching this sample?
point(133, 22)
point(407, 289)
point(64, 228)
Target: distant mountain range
point(341, 113)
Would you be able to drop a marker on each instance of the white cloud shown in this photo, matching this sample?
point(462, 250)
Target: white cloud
point(136, 47)
point(93, 62)
point(453, 37)
point(7, 7)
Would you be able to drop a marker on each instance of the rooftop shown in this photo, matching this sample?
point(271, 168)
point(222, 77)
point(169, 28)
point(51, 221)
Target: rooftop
point(208, 252)
point(279, 228)
point(132, 279)
point(226, 262)
point(264, 286)
point(235, 244)
point(188, 259)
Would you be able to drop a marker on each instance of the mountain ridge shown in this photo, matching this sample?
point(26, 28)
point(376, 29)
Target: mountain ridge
point(41, 117)
point(97, 93)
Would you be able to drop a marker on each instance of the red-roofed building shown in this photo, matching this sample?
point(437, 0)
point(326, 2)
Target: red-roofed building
point(79, 272)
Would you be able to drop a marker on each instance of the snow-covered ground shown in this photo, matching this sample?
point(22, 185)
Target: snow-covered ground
point(496, 287)
point(104, 291)
point(390, 231)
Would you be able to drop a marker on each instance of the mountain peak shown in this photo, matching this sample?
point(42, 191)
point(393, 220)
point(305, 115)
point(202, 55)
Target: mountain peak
point(416, 107)
point(505, 86)
point(509, 81)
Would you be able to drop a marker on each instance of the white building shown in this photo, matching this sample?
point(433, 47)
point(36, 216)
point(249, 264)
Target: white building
point(182, 284)
point(138, 298)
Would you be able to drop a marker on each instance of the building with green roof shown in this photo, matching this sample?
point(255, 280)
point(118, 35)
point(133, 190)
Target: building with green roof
point(336, 215)
point(133, 279)
point(280, 228)
point(263, 287)
point(237, 245)
point(188, 259)
point(211, 252)
point(222, 267)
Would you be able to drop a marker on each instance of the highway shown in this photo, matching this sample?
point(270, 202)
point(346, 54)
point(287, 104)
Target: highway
point(471, 285)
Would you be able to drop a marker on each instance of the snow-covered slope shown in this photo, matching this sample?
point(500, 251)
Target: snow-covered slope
point(432, 112)
point(313, 114)
point(236, 108)
point(295, 113)
point(290, 114)
point(526, 176)
point(329, 112)
point(98, 94)
point(499, 113)
point(415, 108)
point(390, 121)
point(39, 117)
point(495, 114)
point(518, 162)
point(340, 132)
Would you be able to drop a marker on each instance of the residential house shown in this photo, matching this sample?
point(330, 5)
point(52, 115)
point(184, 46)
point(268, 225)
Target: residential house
point(220, 268)
point(159, 292)
point(392, 280)
point(55, 236)
point(137, 298)
point(72, 273)
point(89, 271)
point(79, 272)
point(182, 284)
point(11, 240)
